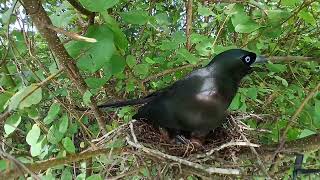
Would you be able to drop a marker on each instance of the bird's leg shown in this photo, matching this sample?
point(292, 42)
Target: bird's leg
point(165, 134)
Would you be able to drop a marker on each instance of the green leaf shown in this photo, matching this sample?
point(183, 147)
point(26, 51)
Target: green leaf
point(62, 17)
point(277, 16)
point(235, 104)
point(64, 122)
point(252, 93)
point(277, 68)
point(139, 17)
point(33, 135)
point(131, 61)
point(204, 11)
point(54, 136)
point(87, 98)
point(52, 113)
point(12, 123)
point(290, 3)
point(120, 38)
point(94, 177)
point(26, 97)
point(116, 65)
point(66, 175)
point(93, 56)
point(307, 17)
point(306, 132)
point(95, 83)
point(35, 149)
point(141, 69)
point(187, 56)
point(247, 27)
point(283, 81)
point(3, 165)
point(68, 145)
point(4, 97)
point(98, 5)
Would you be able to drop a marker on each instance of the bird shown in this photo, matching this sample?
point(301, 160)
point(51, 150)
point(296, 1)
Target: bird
point(197, 103)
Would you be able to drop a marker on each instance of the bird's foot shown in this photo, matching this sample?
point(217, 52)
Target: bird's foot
point(179, 139)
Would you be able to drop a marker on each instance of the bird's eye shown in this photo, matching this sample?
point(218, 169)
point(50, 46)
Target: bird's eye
point(247, 59)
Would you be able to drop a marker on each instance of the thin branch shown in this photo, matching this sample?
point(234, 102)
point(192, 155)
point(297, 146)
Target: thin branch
point(189, 23)
point(41, 20)
point(209, 170)
point(292, 120)
point(39, 166)
point(76, 4)
point(260, 163)
point(72, 35)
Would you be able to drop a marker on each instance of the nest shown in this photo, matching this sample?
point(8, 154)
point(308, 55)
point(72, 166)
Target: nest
point(151, 137)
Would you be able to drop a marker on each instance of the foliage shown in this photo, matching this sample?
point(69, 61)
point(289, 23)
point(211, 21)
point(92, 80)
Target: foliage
point(139, 39)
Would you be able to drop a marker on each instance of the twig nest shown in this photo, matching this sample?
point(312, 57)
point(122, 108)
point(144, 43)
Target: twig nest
point(151, 137)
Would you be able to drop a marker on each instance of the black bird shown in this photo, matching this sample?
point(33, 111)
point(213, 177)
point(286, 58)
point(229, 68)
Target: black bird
point(197, 103)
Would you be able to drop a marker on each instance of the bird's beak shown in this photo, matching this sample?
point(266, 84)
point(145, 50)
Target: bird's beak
point(260, 59)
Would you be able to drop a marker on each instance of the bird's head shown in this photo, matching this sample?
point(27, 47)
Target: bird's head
point(235, 62)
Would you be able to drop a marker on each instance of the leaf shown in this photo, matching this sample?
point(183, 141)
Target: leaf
point(66, 175)
point(68, 145)
point(187, 56)
point(277, 16)
point(283, 81)
point(204, 11)
point(35, 149)
point(87, 98)
point(95, 83)
point(93, 56)
point(52, 113)
point(290, 3)
point(120, 38)
point(63, 15)
point(3, 165)
point(64, 122)
point(131, 61)
point(235, 104)
point(307, 17)
point(26, 97)
point(33, 135)
point(141, 69)
point(306, 132)
point(247, 27)
point(277, 68)
point(252, 93)
point(116, 65)
point(98, 5)
point(4, 97)
point(139, 17)
point(54, 136)
point(94, 177)
point(12, 123)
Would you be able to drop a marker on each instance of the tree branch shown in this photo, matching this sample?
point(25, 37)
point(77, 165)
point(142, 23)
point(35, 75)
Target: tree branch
point(42, 21)
point(189, 23)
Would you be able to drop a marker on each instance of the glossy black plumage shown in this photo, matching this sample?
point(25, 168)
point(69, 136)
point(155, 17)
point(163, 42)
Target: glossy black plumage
point(197, 103)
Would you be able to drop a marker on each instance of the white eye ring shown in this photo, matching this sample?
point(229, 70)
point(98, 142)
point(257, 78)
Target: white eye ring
point(247, 59)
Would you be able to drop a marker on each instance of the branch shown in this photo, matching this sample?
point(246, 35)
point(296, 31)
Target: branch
point(80, 8)
point(209, 170)
point(40, 166)
point(189, 23)
point(292, 58)
point(292, 120)
point(42, 21)
point(72, 35)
